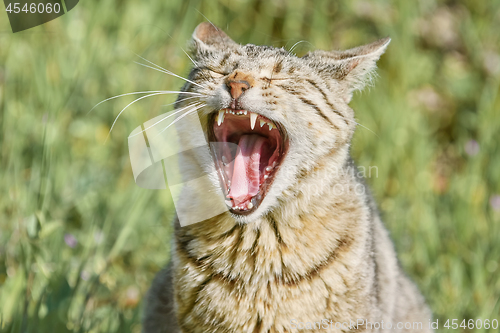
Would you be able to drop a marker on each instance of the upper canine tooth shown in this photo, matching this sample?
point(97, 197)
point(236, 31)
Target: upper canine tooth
point(253, 119)
point(262, 122)
point(220, 118)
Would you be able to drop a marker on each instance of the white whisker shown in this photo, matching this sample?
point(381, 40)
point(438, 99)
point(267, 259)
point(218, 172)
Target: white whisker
point(146, 92)
point(185, 114)
point(206, 18)
point(170, 73)
point(296, 44)
point(170, 115)
point(366, 128)
point(180, 100)
point(152, 63)
point(119, 114)
point(194, 62)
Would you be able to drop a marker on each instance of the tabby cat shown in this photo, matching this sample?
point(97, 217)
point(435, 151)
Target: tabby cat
point(301, 244)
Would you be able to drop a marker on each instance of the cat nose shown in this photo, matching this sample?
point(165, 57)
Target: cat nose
point(238, 83)
point(237, 88)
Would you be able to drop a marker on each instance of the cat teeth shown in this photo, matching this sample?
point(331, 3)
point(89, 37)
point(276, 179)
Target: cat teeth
point(248, 206)
point(253, 119)
point(263, 122)
point(220, 117)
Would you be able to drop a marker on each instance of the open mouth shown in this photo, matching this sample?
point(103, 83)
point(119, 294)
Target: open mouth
point(248, 152)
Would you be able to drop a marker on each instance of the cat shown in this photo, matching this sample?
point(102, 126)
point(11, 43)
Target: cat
point(301, 244)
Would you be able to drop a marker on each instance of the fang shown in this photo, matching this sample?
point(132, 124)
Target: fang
point(253, 119)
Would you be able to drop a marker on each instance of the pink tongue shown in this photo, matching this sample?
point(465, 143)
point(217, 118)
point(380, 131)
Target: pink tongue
point(245, 180)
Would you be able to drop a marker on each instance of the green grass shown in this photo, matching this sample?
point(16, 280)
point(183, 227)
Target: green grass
point(437, 90)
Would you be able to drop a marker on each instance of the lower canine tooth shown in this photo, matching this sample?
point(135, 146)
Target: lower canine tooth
point(253, 119)
point(268, 168)
point(250, 205)
point(220, 118)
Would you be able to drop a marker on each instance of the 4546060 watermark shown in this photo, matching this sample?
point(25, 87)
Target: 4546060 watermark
point(450, 324)
point(28, 14)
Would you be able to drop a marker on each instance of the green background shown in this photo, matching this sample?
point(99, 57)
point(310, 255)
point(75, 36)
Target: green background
point(80, 242)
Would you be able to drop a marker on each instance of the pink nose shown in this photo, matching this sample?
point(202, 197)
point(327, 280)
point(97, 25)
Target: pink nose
point(237, 87)
point(238, 83)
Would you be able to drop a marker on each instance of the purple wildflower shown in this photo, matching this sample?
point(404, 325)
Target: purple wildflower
point(70, 240)
point(472, 147)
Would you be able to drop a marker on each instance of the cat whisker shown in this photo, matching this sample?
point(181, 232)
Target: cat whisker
point(170, 73)
point(355, 122)
point(180, 100)
point(206, 18)
point(297, 44)
point(197, 65)
point(366, 128)
point(119, 114)
point(152, 63)
point(184, 115)
point(146, 92)
point(194, 62)
point(170, 115)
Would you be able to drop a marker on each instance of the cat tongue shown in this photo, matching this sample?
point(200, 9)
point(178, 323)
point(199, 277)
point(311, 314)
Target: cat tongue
point(245, 179)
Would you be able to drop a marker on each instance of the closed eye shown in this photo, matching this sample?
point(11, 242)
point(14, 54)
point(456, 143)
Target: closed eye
point(270, 79)
point(215, 73)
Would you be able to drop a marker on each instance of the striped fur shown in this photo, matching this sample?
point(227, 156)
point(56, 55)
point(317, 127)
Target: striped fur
point(315, 248)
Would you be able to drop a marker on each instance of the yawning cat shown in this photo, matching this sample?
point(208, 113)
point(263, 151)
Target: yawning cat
point(301, 245)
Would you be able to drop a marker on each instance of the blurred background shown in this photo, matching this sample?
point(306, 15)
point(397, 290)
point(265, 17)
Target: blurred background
point(80, 242)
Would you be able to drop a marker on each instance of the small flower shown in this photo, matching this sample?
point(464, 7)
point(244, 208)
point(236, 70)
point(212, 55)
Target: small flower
point(471, 147)
point(70, 240)
point(495, 202)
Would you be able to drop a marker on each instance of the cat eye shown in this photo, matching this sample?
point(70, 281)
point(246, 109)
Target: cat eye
point(270, 79)
point(214, 73)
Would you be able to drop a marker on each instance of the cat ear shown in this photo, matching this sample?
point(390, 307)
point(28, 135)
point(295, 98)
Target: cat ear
point(352, 68)
point(206, 36)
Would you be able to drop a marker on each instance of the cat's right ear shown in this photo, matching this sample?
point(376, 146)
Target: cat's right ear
point(207, 36)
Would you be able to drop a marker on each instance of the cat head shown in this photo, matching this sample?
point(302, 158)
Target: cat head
point(274, 115)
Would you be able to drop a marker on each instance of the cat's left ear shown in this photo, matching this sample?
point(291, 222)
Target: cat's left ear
point(207, 36)
point(352, 68)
